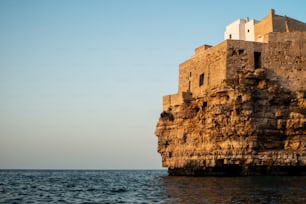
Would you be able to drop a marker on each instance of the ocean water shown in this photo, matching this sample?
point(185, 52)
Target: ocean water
point(144, 186)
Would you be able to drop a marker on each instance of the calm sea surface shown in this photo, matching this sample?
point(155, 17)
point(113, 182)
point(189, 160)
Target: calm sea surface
point(142, 186)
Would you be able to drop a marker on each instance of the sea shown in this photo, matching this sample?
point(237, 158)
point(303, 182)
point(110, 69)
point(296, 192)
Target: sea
point(145, 186)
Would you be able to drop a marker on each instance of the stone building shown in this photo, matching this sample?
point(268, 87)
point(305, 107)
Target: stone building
point(240, 30)
point(241, 104)
point(275, 42)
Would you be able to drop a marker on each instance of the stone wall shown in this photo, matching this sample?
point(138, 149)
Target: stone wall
point(240, 107)
point(263, 26)
point(248, 117)
point(240, 57)
point(255, 129)
point(210, 62)
point(171, 100)
point(286, 24)
point(285, 56)
point(276, 23)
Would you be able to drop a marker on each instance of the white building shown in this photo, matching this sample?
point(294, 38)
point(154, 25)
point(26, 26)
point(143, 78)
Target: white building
point(240, 30)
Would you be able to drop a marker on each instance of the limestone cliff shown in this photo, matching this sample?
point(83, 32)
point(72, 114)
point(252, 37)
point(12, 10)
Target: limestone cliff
point(252, 127)
point(240, 107)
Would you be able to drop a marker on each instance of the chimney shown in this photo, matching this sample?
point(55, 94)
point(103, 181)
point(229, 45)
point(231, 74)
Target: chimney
point(271, 12)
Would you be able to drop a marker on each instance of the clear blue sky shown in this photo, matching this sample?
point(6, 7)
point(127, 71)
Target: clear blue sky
point(81, 82)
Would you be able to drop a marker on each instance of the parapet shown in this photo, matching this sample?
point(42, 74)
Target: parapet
point(202, 48)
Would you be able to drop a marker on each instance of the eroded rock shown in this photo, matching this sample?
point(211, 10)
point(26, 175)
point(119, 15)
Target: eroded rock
point(231, 117)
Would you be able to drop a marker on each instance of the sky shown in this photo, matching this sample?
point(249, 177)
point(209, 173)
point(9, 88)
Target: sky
point(81, 81)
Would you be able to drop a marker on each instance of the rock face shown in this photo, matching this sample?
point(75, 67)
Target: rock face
point(257, 128)
point(250, 122)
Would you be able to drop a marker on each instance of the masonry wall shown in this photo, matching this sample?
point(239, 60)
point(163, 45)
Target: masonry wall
point(207, 61)
point(276, 23)
point(210, 62)
point(286, 24)
point(247, 110)
point(240, 57)
point(262, 27)
point(285, 56)
point(295, 25)
point(171, 100)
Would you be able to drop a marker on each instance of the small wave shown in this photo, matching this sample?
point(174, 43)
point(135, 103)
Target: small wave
point(91, 189)
point(119, 190)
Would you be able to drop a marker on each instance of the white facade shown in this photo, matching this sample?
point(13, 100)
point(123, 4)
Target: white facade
point(249, 30)
point(240, 30)
point(235, 30)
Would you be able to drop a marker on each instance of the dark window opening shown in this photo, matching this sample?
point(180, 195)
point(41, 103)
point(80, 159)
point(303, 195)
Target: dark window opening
point(257, 60)
point(241, 52)
point(184, 139)
point(169, 154)
point(189, 83)
point(230, 36)
point(196, 109)
point(248, 30)
point(238, 105)
point(201, 80)
point(219, 162)
point(204, 105)
point(166, 143)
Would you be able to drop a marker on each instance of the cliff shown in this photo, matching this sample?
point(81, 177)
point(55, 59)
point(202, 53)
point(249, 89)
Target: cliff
point(240, 109)
point(252, 127)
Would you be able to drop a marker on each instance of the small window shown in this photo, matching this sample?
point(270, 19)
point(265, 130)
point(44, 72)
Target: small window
point(241, 52)
point(201, 80)
point(204, 105)
point(248, 30)
point(184, 138)
point(230, 36)
point(257, 60)
point(190, 74)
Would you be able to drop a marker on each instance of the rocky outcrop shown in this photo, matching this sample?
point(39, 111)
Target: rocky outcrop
point(252, 125)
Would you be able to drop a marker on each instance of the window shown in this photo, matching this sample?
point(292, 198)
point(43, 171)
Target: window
point(201, 80)
point(230, 36)
point(204, 105)
point(257, 60)
point(189, 82)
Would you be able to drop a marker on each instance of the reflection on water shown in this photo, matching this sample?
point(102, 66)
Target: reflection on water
point(235, 189)
point(143, 186)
